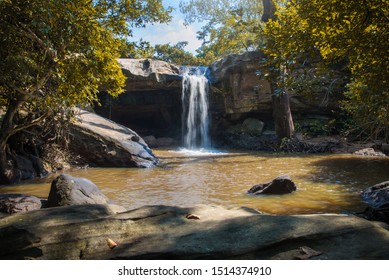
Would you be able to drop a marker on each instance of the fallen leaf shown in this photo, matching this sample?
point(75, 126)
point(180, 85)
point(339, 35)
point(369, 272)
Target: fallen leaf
point(192, 217)
point(111, 244)
point(307, 253)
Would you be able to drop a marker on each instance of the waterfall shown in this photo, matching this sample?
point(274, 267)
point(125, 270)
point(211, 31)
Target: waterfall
point(195, 118)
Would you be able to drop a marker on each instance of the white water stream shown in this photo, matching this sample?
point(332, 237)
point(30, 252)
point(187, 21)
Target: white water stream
point(195, 115)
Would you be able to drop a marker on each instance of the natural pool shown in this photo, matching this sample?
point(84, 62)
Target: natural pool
point(327, 183)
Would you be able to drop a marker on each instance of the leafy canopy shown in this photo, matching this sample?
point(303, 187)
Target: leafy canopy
point(355, 34)
point(63, 51)
point(229, 26)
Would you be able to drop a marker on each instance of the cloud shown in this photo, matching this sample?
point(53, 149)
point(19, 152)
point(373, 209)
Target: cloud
point(172, 33)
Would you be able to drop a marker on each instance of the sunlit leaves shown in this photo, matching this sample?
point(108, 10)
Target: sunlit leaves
point(341, 30)
point(229, 26)
point(55, 52)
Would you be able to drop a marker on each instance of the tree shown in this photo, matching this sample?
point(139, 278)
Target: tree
point(340, 31)
point(56, 53)
point(176, 54)
point(282, 114)
point(230, 26)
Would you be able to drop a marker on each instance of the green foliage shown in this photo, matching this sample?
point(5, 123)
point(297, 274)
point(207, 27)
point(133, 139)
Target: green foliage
point(176, 54)
point(230, 26)
point(339, 30)
point(60, 53)
point(140, 49)
point(316, 127)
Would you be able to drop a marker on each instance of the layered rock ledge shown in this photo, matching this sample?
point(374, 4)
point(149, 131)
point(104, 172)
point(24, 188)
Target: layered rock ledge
point(163, 232)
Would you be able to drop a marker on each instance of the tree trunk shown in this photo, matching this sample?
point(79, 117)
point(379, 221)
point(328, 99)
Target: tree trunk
point(282, 115)
point(6, 131)
point(269, 10)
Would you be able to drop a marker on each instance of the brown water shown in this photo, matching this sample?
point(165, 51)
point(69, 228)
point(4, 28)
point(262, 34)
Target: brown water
point(326, 183)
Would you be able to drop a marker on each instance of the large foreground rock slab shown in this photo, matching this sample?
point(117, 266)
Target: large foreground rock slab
point(104, 143)
point(162, 232)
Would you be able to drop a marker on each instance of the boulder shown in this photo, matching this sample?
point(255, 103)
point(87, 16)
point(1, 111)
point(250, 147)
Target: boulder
point(69, 190)
point(377, 195)
point(369, 152)
point(164, 232)
point(280, 185)
point(97, 141)
point(17, 203)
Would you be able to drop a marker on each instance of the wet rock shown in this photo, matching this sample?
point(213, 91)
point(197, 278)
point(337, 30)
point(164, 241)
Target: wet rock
point(280, 185)
point(17, 203)
point(163, 232)
point(377, 195)
point(69, 190)
point(100, 142)
point(154, 142)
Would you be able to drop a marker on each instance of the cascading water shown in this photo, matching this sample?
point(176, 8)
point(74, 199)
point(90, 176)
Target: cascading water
point(195, 117)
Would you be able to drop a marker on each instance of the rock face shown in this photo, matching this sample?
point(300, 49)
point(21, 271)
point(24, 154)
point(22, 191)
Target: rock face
point(17, 203)
point(250, 126)
point(151, 103)
point(240, 90)
point(69, 190)
point(154, 142)
point(280, 185)
point(240, 87)
point(161, 232)
point(150, 74)
point(101, 142)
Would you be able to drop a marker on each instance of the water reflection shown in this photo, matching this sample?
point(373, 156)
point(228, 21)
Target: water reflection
point(326, 183)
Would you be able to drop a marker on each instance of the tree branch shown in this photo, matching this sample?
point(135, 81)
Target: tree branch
point(21, 127)
point(30, 34)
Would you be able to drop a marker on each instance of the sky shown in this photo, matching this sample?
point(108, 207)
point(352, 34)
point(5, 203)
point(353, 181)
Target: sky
point(173, 32)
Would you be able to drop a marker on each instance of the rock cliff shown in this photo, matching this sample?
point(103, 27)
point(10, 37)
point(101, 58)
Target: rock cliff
point(151, 103)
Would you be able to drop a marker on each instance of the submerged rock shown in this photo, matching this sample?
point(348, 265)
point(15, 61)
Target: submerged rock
point(280, 185)
point(162, 232)
point(103, 143)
